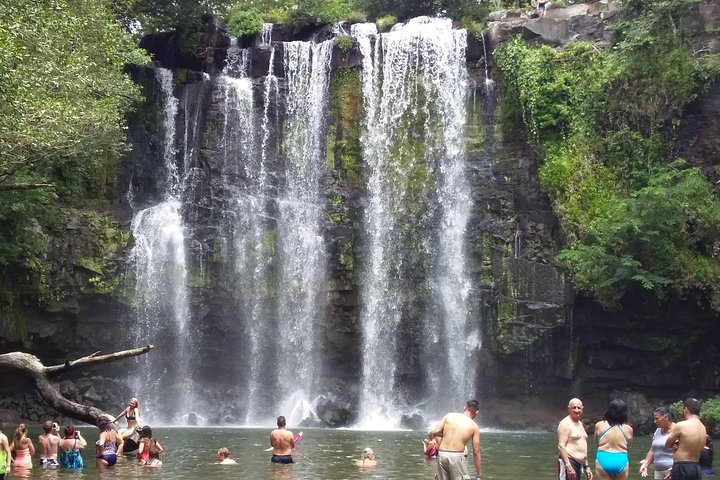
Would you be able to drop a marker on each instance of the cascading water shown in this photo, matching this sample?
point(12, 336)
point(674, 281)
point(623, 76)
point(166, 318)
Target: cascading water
point(416, 284)
point(245, 197)
point(162, 307)
point(300, 242)
point(248, 223)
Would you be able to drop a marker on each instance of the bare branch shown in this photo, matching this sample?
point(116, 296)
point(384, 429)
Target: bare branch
point(31, 366)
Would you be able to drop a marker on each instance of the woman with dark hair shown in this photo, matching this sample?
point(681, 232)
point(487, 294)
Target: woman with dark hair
point(659, 455)
point(613, 437)
point(107, 446)
point(149, 449)
point(70, 446)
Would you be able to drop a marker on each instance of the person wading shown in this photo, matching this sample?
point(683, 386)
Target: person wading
point(455, 430)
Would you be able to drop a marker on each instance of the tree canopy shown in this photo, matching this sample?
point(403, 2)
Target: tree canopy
point(63, 99)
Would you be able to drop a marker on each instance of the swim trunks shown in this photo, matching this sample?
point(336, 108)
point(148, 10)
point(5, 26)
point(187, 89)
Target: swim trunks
point(281, 459)
point(451, 465)
point(612, 462)
point(48, 462)
point(562, 468)
point(686, 471)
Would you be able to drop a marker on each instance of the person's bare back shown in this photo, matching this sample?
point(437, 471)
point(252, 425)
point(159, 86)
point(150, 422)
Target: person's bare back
point(49, 441)
point(457, 431)
point(690, 437)
point(282, 441)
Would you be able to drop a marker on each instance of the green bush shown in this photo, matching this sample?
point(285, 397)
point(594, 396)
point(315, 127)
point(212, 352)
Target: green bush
point(473, 27)
point(344, 42)
point(710, 412)
point(243, 21)
point(386, 22)
point(276, 15)
point(603, 121)
point(357, 16)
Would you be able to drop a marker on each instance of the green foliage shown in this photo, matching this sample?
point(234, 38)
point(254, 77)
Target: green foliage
point(473, 27)
point(148, 16)
point(344, 42)
point(385, 22)
point(320, 12)
point(603, 123)
point(710, 411)
point(63, 99)
point(357, 16)
point(243, 21)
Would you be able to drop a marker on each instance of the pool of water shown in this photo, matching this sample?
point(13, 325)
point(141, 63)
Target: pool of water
point(324, 454)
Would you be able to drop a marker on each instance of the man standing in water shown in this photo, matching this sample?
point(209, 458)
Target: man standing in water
point(572, 444)
point(49, 441)
point(687, 438)
point(282, 443)
point(456, 429)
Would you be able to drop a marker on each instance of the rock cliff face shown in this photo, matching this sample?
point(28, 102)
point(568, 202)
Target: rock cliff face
point(540, 344)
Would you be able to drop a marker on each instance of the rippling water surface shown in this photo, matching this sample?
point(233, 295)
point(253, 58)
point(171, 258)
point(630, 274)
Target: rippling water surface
point(324, 454)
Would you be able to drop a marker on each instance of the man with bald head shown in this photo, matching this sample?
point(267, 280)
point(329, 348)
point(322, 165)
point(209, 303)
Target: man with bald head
point(572, 444)
point(687, 439)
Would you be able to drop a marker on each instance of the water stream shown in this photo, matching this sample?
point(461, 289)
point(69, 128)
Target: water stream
point(415, 87)
point(261, 226)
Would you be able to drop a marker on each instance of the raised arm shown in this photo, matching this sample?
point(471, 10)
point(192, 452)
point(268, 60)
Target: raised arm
point(120, 415)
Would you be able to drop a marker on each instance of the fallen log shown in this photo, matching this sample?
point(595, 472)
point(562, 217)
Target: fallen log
point(40, 374)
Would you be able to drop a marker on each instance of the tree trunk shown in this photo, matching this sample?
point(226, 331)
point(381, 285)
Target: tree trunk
point(30, 365)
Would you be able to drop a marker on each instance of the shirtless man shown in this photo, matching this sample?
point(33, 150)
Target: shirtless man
point(282, 443)
point(49, 441)
point(5, 454)
point(572, 444)
point(687, 438)
point(456, 429)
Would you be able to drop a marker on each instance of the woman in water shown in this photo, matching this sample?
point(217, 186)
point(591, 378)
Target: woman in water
point(659, 455)
point(430, 448)
point(70, 446)
point(107, 446)
point(368, 459)
point(613, 437)
point(22, 449)
point(149, 449)
point(132, 415)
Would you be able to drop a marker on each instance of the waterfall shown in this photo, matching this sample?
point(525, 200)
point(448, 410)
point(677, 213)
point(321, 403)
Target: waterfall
point(158, 258)
point(257, 247)
point(300, 243)
point(418, 205)
point(489, 82)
